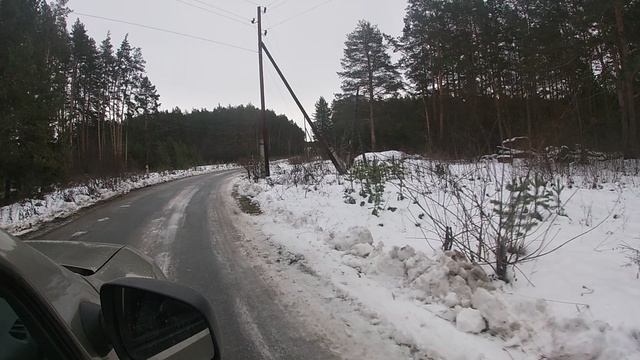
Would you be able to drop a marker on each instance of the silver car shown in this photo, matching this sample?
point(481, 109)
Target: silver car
point(74, 300)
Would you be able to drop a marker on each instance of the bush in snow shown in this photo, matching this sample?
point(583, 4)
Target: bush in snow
point(633, 255)
point(529, 203)
point(253, 167)
point(490, 215)
point(371, 177)
point(309, 175)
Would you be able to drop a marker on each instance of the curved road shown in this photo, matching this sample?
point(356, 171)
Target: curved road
point(186, 227)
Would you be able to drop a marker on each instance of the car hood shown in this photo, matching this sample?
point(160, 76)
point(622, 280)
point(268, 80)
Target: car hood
point(98, 262)
point(82, 258)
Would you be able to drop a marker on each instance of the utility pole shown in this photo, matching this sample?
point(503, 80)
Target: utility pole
point(319, 135)
point(264, 140)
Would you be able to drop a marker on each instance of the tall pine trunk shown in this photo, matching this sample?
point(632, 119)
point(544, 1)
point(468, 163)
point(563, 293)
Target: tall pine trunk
point(99, 139)
point(371, 99)
point(427, 120)
point(441, 108)
point(625, 84)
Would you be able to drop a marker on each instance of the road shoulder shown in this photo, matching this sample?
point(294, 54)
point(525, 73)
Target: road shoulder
point(322, 309)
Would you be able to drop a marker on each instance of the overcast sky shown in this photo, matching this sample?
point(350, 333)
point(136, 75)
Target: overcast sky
point(191, 73)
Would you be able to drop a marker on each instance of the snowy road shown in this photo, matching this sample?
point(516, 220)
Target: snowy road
point(187, 227)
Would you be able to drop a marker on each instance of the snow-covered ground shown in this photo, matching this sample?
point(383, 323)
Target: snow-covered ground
point(578, 302)
point(28, 215)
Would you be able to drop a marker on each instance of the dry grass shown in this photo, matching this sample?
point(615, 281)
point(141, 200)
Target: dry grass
point(246, 203)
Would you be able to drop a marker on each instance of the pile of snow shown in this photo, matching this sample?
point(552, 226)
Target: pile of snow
point(579, 302)
point(470, 321)
point(28, 215)
point(354, 237)
point(391, 155)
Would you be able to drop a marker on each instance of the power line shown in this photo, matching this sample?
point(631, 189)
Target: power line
point(273, 5)
point(220, 9)
point(280, 4)
point(252, 2)
point(276, 44)
point(299, 14)
point(167, 31)
point(283, 98)
point(215, 12)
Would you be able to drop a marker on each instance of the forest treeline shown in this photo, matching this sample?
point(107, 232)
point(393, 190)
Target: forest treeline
point(470, 74)
point(474, 72)
point(71, 108)
point(174, 140)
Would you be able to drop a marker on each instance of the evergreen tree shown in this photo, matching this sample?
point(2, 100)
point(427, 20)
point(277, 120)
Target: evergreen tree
point(32, 82)
point(171, 139)
point(367, 66)
point(84, 93)
point(107, 71)
point(322, 118)
point(550, 70)
point(147, 99)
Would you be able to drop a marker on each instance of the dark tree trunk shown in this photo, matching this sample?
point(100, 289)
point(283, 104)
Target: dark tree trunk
point(371, 120)
point(441, 107)
point(625, 91)
point(427, 123)
point(7, 189)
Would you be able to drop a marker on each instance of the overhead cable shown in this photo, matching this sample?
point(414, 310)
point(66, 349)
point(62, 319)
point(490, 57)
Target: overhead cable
point(167, 31)
point(252, 2)
point(241, 17)
point(245, 23)
point(299, 14)
point(276, 4)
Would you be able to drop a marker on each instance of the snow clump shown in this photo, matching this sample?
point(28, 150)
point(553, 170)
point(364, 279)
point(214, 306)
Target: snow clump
point(470, 321)
point(355, 235)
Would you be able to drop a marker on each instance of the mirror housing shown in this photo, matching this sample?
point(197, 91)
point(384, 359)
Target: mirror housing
point(149, 318)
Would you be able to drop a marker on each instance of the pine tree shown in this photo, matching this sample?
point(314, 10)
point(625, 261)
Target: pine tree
point(627, 70)
point(367, 65)
point(147, 99)
point(107, 71)
point(128, 67)
point(417, 57)
point(84, 94)
point(33, 59)
point(322, 118)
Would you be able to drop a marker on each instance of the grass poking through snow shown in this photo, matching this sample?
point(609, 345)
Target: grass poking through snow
point(246, 203)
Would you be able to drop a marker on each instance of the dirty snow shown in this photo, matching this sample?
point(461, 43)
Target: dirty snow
point(28, 215)
point(579, 302)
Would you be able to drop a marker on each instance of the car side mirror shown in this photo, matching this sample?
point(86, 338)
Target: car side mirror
point(148, 318)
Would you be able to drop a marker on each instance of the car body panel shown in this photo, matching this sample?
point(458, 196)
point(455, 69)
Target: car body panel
point(59, 287)
point(97, 262)
point(127, 262)
point(47, 267)
point(74, 254)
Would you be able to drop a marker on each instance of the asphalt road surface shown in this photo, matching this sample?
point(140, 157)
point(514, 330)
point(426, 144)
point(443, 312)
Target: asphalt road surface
point(186, 228)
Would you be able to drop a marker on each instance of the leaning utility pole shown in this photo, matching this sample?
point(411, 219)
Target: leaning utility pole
point(319, 135)
point(264, 139)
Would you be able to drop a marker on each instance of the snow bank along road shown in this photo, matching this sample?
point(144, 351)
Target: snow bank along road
point(579, 302)
point(187, 227)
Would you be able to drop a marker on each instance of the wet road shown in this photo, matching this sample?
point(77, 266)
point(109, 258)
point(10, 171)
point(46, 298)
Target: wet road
point(187, 227)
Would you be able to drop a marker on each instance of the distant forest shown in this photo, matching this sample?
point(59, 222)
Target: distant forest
point(174, 140)
point(72, 109)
